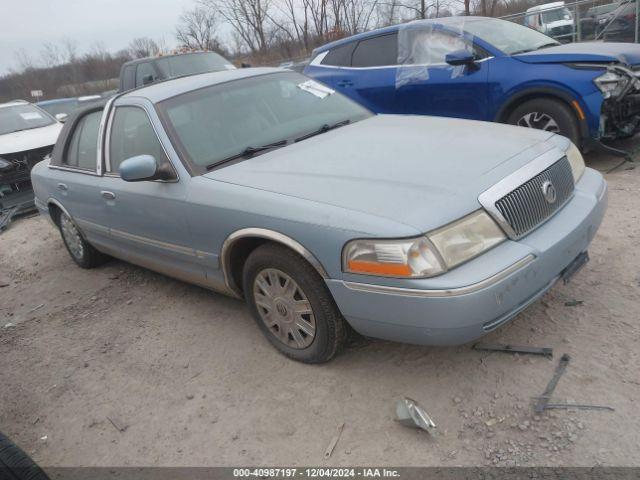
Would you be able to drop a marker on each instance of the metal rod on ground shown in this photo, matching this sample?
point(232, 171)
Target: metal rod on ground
point(543, 400)
point(579, 406)
point(544, 351)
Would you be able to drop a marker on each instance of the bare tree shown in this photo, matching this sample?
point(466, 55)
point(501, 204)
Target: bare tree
point(197, 29)
point(144, 47)
point(249, 18)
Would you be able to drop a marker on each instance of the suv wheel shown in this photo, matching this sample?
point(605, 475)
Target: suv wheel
point(547, 114)
point(292, 305)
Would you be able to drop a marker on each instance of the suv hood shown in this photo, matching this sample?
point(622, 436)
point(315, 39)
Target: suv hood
point(417, 170)
point(29, 139)
point(625, 53)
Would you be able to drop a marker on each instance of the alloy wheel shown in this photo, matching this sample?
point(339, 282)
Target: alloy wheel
point(540, 121)
point(284, 308)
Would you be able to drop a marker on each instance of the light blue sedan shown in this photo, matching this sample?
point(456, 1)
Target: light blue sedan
point(268, 186)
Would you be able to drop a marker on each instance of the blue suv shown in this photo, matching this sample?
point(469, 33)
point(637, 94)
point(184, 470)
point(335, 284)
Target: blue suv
point(489, 69)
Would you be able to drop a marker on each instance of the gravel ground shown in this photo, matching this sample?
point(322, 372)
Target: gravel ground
point(121, 366)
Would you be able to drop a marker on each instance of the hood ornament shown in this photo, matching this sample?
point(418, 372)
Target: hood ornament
point(549, 191)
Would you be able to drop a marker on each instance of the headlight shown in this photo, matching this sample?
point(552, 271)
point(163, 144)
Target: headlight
point(425, 256)
point(576, 161)
point(610, 84)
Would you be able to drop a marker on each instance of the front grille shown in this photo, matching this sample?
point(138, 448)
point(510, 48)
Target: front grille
point(526, 207)
point(21, 164)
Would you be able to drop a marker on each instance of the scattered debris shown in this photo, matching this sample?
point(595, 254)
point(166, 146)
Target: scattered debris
point(121, 427)
point(6, 215)
point(544, 351)
point(579, 406)
point(36, 308)
point(543, 400)
point(4, 282)
point(9, 325)
point(410, 414)
point(334, 441)
point(44, 438)
point(573, 303)
point(190, 396)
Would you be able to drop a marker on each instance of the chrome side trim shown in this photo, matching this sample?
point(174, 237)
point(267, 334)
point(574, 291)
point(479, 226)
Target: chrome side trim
point(270, 235)
point(87, 225)
point(453, 292)
point(101, 134)
point(154, 243)
point(489, 197)
point(75, 170)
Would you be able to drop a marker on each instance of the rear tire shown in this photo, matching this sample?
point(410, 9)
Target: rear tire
point(547, 114)
point(81, 251)
point(17, 465)
point(292, 305)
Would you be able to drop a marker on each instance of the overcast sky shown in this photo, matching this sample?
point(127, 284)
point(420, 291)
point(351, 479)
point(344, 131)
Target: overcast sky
point(28, 24)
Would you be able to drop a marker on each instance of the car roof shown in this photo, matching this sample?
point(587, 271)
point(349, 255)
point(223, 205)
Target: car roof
point(444, 21)
point(57, 100)
point(546, 6)
point(158, 57)
point(13, 103)
point(157, 92)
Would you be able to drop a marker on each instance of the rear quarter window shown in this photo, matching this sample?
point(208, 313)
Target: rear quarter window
point(83, 146)
point(340, 56)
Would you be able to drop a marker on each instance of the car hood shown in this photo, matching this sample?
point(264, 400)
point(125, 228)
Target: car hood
point(417, 170)
point(29, 139)
point(625, 53)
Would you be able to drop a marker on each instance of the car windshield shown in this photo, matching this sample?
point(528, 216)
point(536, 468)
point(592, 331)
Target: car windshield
point(192, 64)
point(556, 15)
point(216, 123)
point(508, 37)
point(56, 107)
point(22, 117)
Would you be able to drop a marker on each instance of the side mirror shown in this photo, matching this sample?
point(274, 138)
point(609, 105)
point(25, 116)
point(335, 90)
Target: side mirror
point(142, 168)
point(460, 57)
point(147, 79)
point(62, 117)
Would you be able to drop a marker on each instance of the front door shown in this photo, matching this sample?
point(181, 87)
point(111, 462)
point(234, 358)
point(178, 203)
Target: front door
point(147, 219)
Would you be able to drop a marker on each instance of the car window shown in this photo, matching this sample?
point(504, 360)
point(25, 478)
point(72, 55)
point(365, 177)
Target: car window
point(210, 124)
point(144, 69)
point(131, 135)
point(339, 56)
point(129, 76)
point(376, 52)
point(22, 116)
point(430, 47)
point(192, 64)
point(82, 149)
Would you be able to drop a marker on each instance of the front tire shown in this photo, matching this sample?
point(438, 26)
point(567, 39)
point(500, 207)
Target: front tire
point(15, 464)
point(549, 115)
point(292, 305)
point(81, 251)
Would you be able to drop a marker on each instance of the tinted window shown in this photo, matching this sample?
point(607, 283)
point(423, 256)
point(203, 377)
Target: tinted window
point(22, 117)
point(144, 70)
point(192, 64)
point(132, 134)
point(82, 150)
point(376, 52)
point(213, 123)
point(339, 56)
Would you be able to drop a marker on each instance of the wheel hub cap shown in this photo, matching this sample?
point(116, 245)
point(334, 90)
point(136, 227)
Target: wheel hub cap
point(71, 237)
point(540, 121)
point(284, 308)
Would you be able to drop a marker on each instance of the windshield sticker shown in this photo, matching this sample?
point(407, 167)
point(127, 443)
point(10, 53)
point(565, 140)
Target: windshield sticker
point(315, 88)
point(31, 116)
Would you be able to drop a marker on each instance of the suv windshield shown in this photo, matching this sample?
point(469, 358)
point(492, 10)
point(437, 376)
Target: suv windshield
point(556, 15)
point(192, 64)
point(22, 117)
point(214, 124)
point(508, 37)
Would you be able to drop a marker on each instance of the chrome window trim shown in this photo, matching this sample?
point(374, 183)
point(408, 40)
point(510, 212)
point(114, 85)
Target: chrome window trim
point(101, 134)
point(112, 114)
point(437, 293)
point(75, 170)
point(269, 235)
point(398, 65)
point(489, 197)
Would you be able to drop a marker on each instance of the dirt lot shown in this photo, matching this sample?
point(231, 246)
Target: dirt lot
point(188, 378)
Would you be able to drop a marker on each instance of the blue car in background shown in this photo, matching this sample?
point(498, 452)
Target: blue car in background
point(489, 69)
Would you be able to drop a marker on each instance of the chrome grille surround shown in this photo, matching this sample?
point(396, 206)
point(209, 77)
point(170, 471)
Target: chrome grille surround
point(517, 202)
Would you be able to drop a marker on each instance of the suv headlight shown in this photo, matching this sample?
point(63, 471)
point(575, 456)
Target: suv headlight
point(610, 84)
point(576, 161)
point(427, 255)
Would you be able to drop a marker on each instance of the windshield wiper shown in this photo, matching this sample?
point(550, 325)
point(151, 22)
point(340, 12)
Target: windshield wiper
point(547, 45)
point(323, 129)
point(248, 153)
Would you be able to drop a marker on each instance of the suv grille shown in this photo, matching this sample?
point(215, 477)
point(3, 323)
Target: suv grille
point(526, 207)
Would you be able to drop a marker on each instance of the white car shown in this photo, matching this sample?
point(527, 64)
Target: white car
point(553, 19)
point(27, 135)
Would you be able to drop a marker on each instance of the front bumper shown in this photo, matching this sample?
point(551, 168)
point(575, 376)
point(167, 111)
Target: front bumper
point(483, 294)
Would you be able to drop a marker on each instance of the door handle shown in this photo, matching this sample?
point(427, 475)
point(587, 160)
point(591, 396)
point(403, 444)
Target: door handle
point(63, 187)
point(108, 195)
point(345, 83)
